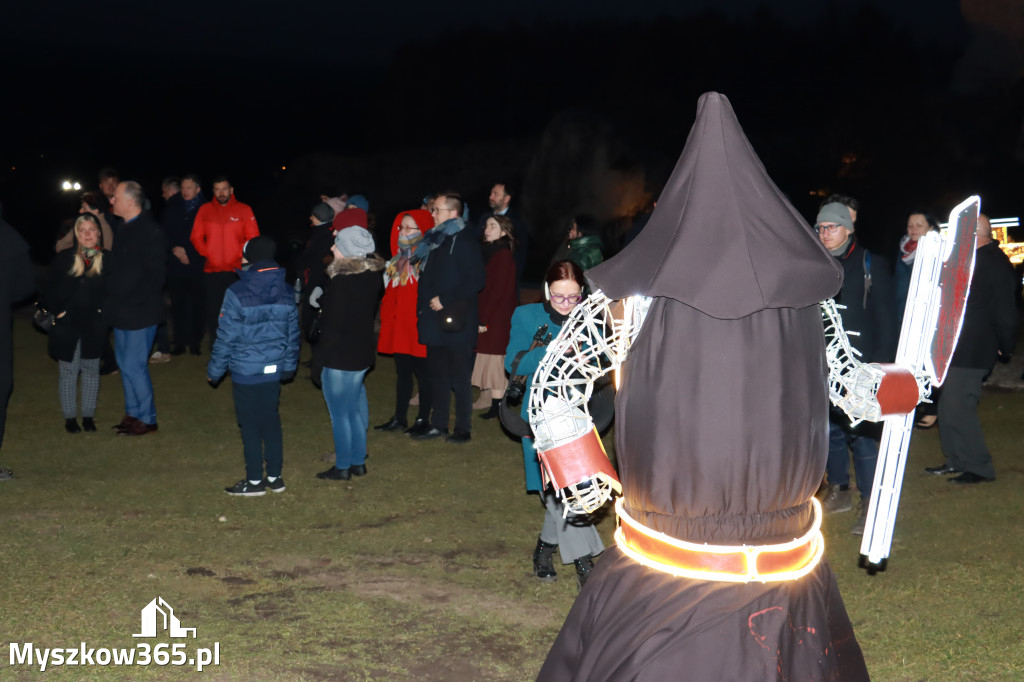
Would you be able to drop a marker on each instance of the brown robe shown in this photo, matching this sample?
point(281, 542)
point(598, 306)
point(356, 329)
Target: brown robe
point(721, 432)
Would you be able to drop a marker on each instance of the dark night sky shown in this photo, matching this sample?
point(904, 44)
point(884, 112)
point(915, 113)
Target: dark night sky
point(153, 88)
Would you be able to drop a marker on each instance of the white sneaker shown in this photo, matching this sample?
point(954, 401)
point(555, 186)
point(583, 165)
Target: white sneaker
point(160, 358)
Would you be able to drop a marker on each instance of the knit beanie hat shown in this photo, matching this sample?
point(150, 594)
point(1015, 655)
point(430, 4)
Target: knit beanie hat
point(354, 242)
point(259, 248)
point(835, 213)
point(350, 217)
point(323, 212)
point(359, 201)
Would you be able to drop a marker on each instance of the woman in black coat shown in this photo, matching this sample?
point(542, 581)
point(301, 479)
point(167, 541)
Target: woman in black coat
point(75, 296)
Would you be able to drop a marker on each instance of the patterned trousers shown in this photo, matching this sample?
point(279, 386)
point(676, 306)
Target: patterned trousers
point(68, 384)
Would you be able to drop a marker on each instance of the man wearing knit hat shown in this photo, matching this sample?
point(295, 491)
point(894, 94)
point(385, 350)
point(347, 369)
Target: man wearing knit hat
point(867, 299)
point(314, 260)
point(258, 341)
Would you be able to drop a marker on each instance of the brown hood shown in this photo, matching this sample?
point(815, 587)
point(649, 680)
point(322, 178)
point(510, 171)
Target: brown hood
point(723, 238)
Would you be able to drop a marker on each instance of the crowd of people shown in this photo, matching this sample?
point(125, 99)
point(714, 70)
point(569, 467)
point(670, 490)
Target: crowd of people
point(446, 295)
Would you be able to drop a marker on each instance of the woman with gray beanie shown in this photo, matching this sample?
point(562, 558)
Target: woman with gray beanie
point(346, 349)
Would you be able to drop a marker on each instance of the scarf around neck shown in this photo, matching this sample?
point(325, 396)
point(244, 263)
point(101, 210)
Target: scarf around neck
point(908, 249)
point(432, 239)
point(400, 269)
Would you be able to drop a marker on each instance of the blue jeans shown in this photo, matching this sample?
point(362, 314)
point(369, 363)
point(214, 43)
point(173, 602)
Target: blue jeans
point(256, 408)
point(131, 348)
point(345, 396)
point(865, 455)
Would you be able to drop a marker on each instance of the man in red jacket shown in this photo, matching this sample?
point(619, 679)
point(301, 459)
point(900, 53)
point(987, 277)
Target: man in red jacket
point(221, 229)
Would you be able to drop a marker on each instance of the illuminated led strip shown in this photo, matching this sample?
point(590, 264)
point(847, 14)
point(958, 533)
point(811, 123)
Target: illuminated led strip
point(745, 555)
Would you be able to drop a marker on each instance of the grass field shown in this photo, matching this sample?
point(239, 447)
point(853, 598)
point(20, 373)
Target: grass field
point(420, 570)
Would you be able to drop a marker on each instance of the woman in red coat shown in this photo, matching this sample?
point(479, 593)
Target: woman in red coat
point(497, 302)
point(398, 335)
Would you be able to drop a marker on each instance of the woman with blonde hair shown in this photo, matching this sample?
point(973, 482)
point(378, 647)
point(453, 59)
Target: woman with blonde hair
point(75, 295)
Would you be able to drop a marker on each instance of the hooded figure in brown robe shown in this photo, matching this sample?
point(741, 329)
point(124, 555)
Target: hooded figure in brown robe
point(721, 432)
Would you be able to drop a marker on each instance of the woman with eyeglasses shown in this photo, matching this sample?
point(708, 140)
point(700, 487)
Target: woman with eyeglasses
point(497, 302)
point(74, 296)
point(577, 541)
point(398, 336)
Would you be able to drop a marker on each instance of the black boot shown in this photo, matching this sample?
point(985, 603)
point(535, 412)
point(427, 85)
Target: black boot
point(88, 424)
point(543, 563)
point(493, 412)
point(584, 565)
point(71, 425)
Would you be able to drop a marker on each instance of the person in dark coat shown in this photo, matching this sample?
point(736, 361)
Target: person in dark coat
point(74, 295)
point(346, 349)
point(134, 303)
point(313, 261)
point(258, 342)
point(582, 243)
point(989, 332)
point(451, 275)
point(497, 302)
point(720, 435)
point(867, 300)
point(185, 268)
point(17, 282)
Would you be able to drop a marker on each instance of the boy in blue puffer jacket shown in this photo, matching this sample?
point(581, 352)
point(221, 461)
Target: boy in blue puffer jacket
point(258, 342)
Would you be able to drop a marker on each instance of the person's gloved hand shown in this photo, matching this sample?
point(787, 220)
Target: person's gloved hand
point(314, 297)
point(214, 383)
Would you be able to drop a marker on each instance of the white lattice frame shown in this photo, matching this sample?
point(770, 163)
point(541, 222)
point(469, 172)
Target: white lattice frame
point(593, 341)
point(852, 384)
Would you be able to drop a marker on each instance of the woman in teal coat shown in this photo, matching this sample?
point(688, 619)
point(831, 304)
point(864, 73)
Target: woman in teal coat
point(577, 542)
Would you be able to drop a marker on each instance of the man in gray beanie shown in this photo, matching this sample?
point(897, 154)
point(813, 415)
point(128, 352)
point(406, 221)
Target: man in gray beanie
point(867, 296)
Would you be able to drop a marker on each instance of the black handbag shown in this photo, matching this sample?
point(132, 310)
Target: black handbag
point(316, 326)
point(452, 317)
point(43, 319)
point(601, 404)
point(509, 407)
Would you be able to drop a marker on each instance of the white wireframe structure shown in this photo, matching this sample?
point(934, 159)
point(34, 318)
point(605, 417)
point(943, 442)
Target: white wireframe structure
point(598, 334)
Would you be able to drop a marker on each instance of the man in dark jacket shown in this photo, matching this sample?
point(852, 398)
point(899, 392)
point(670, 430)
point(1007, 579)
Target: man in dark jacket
point(185, 269)
point(17, 281)
point(258, 341)
point(989, 331)
point(134, 303)
point(867, 299)
point(451, 275)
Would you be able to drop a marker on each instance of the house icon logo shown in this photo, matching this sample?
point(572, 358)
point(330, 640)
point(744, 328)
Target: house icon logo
point(158, 615)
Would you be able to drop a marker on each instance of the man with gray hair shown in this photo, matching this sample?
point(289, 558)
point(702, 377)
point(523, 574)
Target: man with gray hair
point(134, 303)
point(989, 332)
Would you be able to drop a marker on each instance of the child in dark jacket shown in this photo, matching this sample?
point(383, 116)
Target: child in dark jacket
point(258, 342)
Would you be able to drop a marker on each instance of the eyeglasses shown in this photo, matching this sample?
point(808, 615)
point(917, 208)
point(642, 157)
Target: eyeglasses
point(830, 229)
point(438, 210)
point(562, 300)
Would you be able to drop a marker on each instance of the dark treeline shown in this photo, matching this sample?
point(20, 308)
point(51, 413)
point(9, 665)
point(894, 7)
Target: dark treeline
point(854, 103)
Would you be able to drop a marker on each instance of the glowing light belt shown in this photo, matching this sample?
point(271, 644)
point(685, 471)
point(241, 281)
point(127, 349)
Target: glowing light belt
point(723, 563)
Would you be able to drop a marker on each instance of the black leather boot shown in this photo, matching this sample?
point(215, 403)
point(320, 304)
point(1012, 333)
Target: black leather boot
point(493, 412)
point(71, 425)
point(543, 562)
point(584, 565)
